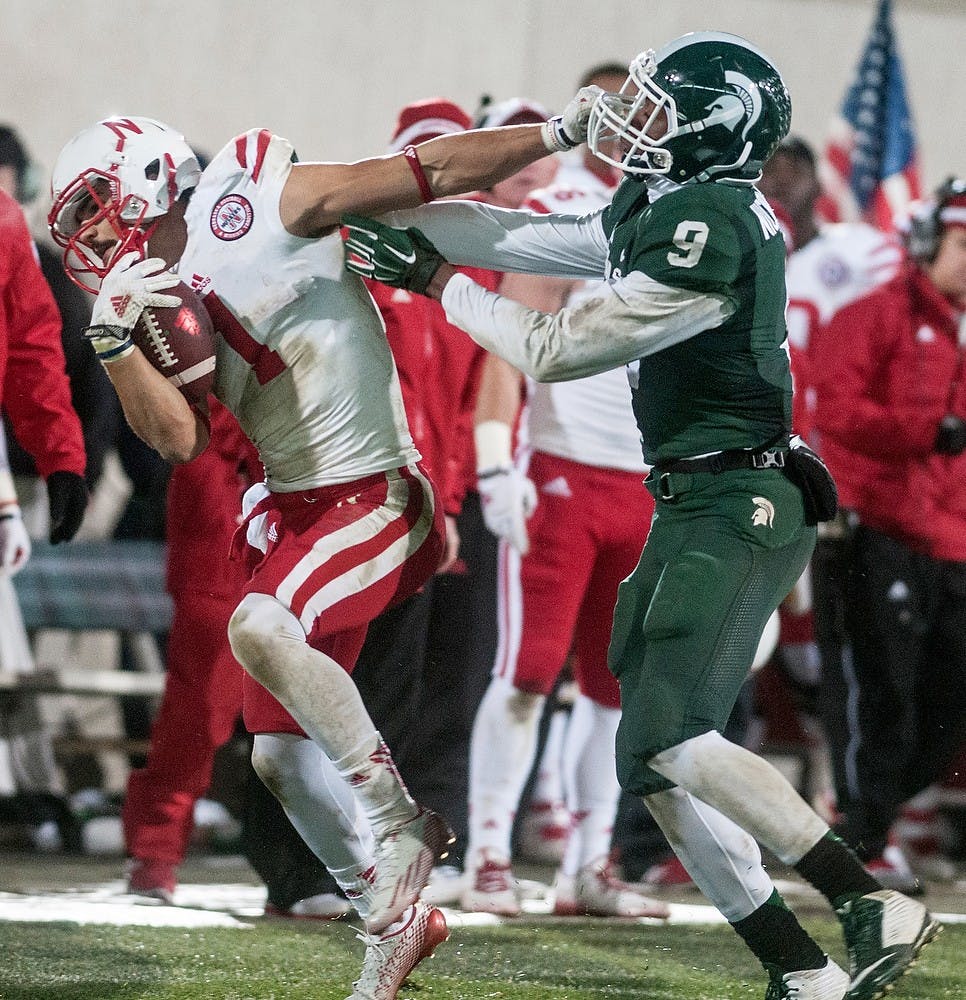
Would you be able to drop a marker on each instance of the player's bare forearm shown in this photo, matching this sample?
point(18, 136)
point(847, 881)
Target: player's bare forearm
point(156, 411)
point(438, 282)
point(317, 195)
point(467, 161)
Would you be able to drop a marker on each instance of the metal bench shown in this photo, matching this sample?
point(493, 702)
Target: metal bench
point(117, 585)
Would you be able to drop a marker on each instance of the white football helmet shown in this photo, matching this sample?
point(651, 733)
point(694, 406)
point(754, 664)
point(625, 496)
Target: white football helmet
point(126, 170)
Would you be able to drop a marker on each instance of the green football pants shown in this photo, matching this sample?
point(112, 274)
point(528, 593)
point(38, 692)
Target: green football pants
point(721, 555)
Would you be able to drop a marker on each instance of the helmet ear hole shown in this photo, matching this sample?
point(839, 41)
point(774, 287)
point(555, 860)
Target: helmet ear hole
point(153, 170)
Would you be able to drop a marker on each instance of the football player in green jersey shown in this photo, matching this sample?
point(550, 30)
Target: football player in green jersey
point(693, 305)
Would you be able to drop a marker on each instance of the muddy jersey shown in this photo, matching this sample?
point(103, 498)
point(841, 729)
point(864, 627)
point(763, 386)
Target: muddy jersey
point(588, 420)
point(302, 357)
point(730, 386)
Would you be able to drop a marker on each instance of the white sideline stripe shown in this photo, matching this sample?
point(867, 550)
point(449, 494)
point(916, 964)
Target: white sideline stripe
point(681, 913)
point(234, 905)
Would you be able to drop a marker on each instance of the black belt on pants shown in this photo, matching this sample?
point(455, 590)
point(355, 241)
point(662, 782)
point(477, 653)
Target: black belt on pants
point(721, 461)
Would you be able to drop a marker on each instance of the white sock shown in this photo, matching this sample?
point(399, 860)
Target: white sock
point(269, 642)
point(502, 748)
point(748, 790)
point(548, 782)
point(590, 777)
point(370, 771)
point(321, 806)
point(723, 860)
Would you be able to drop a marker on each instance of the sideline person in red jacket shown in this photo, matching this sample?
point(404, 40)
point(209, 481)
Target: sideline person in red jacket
point(34, 389)
point(892, 391)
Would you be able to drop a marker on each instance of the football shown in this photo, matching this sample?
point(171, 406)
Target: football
point(180, 342)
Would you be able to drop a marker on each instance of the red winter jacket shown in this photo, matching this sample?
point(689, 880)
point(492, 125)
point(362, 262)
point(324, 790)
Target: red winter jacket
point(34, 388)
point(888, 367)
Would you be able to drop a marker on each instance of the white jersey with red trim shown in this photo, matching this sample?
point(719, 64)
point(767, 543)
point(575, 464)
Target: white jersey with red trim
point(302, 357)
point(844, 262)
point(588, 420)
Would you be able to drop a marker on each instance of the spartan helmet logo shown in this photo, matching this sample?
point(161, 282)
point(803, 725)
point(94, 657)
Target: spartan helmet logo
point(764, 512)
point(749, 101)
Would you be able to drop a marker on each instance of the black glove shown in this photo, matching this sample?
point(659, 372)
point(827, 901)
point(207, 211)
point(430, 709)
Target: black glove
point(402, 258)
point(951, 437)
point(67, 493)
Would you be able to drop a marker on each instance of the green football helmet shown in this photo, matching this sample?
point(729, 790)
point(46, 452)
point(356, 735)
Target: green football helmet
point(708, 106)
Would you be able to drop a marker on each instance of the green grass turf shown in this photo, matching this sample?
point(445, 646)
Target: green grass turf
point(536, 960)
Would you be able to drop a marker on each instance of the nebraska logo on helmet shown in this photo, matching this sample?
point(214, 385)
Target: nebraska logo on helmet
point(231, 217)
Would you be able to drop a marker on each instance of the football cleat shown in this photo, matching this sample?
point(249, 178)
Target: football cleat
point(892, 871)
point(669, 873)
point(393, 955)
point(493, 887)
point(324, 906)
point(828, 983)
point(152, 879)
point(884, 933)
point(446, 884)
point(405, 857)
point(596, 892)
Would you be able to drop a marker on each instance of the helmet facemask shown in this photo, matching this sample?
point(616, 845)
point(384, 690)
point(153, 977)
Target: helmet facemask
point(128, 172)
point(635, 122)
point(93, 198)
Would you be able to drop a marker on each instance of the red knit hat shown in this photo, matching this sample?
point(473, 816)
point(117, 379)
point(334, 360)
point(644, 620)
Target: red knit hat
point(427, 119)
point(953, 211)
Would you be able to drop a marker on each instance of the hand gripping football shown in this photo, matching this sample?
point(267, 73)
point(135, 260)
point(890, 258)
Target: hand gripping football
point(180, 342)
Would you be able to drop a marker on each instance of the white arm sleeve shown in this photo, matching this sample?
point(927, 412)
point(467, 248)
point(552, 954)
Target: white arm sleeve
point(502, 239)
point(629, 319)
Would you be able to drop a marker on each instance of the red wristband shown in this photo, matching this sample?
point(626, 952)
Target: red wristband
point(412, 158)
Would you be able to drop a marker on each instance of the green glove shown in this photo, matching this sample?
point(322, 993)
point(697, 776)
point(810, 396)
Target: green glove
point(402, 258)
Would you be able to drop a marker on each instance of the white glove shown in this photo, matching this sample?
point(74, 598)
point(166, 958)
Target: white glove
point(565, 131)
point(508, 498)
point(14, 540)
point(127, 289)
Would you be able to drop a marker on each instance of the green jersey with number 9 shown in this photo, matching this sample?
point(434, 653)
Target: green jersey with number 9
point(730, 386)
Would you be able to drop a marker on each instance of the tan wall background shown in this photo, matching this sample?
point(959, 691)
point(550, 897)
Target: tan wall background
point(332, 75)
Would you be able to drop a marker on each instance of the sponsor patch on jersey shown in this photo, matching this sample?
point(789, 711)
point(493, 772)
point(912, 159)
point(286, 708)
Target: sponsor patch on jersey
point(231, 217)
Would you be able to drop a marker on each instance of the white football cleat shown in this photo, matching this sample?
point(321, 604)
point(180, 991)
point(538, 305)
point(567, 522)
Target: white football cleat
point(596, 892)
point(323, 906)
point(390, 957)
point(446, 885)
point(884, 933)
point(405, 857)
point(492, 887)
point(828, 983)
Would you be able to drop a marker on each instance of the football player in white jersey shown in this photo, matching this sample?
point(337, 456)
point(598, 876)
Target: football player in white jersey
point(346, 522)
point(579, 458)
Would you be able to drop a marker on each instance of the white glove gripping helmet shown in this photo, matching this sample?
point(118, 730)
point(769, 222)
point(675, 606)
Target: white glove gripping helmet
point(126, 170)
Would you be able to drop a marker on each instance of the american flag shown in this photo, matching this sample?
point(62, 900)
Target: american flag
point(870, 169)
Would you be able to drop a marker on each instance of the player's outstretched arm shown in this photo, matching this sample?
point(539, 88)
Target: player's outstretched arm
point(317, 195)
